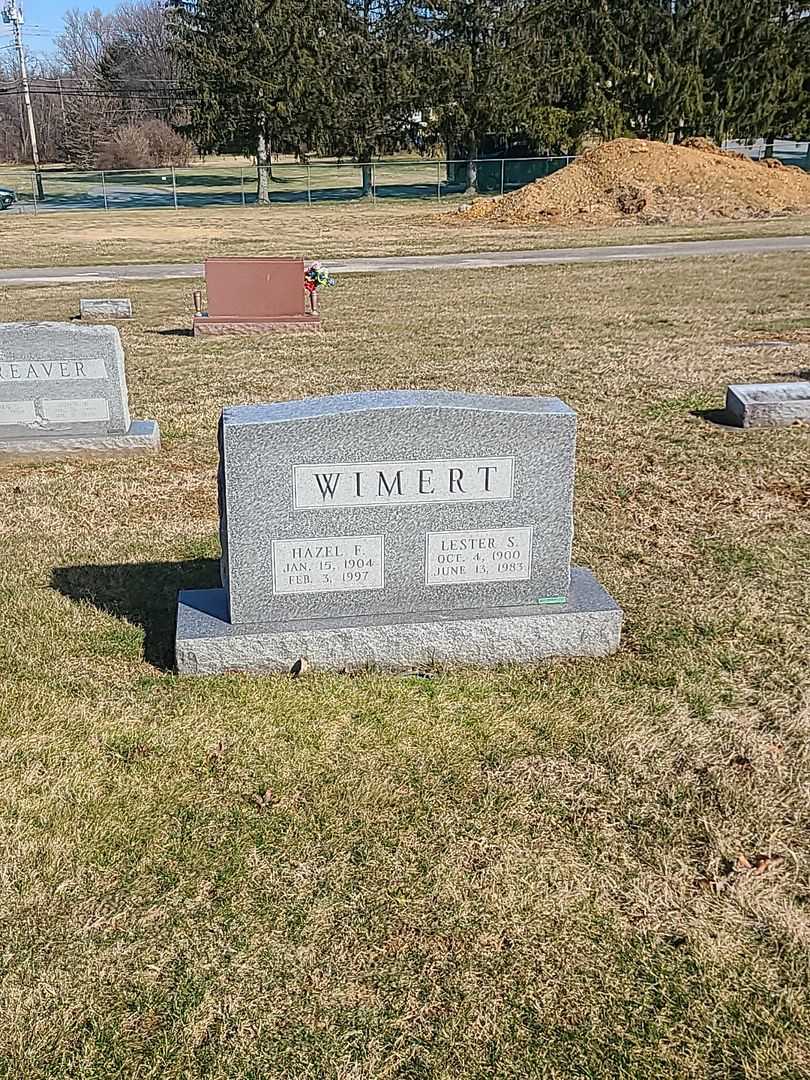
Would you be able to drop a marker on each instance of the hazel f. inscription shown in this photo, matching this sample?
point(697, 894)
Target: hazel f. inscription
point(43, 370)
point(328, 564)
point(386, 483)
point(478, 556)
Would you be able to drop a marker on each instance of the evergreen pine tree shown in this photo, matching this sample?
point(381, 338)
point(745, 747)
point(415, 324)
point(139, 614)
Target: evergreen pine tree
point(266, 75)
point(380, 93)
point(499, 69)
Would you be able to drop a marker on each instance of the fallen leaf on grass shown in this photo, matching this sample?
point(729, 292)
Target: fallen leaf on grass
point(742, 866)
point(766, 862)
point(264, 800)
point(757, 864)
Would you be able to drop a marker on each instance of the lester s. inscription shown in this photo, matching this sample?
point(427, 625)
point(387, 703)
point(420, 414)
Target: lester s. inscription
point(39, 370)
point(478, 555)
point(383, 483)
point(328, 564)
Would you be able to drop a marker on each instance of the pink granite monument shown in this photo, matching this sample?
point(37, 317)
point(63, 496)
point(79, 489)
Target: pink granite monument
point(255, 296)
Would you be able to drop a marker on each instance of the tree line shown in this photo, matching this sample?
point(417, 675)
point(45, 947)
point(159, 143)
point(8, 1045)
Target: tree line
point(462, 78)
point(489, 76)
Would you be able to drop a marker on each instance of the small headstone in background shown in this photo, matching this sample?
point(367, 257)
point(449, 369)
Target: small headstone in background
point(104, 310)
point(63, 393)
point(768, 404)
point(396, 529)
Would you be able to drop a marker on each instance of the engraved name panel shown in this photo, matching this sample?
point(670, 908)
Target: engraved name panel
point(387, 483)
point(328, 564)
point(478, 555)
point(17, 412)
point(44, 370)
point(75, 410)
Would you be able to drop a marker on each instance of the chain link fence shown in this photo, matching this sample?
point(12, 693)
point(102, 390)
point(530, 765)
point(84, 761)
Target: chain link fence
point(784, 150)
point(200, 186)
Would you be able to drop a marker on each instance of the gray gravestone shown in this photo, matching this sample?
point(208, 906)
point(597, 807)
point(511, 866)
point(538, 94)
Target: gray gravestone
point(768, 404)
point(63, 393)
point(103, 310)
point(396, 528)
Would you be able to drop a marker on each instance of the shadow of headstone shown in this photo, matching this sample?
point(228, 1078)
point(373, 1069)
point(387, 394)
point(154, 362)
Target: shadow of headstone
point(718, 417)
point(144, 594)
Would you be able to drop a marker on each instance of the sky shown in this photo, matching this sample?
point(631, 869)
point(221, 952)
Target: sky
point(43, 22)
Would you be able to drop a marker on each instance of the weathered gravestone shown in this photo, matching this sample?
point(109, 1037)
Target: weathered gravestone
point(106, 309)
point(395, 529)
point(254, 296)
point(63, 394)
point(768, 404)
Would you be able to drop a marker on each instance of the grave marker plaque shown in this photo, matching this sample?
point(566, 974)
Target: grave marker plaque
point(102, 310)
point(768, 404)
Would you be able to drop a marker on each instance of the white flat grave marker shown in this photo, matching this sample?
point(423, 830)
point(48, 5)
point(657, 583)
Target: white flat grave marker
point(102, 310)
point(768, 404)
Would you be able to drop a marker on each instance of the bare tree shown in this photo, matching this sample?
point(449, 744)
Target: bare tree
point(46, 104)
point(81, 46)
point(119, 71)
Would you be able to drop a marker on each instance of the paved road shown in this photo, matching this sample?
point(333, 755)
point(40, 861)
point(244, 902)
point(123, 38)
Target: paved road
point(68, 275)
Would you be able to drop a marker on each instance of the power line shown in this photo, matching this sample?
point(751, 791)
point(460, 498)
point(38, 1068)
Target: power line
point(54, 91)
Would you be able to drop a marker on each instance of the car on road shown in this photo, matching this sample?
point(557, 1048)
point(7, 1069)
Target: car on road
point(7, 198)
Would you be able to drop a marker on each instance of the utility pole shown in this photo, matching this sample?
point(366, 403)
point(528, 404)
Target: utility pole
point(12, 13)
point(62, 100)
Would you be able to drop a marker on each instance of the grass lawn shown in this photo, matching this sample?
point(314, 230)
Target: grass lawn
point(583, 869)
point(391, 228)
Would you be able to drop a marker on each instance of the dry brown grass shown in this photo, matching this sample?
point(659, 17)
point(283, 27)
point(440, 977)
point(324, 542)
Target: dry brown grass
point(515, 873)
point(83, 239)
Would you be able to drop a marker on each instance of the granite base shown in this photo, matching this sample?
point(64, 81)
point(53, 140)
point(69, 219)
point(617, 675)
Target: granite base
point(217, 325)
point(143, 437)
point(588, 624)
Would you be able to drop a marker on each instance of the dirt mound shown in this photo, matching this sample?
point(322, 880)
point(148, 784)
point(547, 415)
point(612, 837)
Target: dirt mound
point(641, 181)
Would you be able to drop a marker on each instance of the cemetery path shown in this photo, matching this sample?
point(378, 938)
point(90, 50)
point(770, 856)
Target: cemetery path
point(389, 264)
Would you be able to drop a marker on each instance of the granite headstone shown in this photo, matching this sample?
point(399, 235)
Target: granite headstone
point(254, 296)
point(63, 393)
point(395, 528)
point(768, 404)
